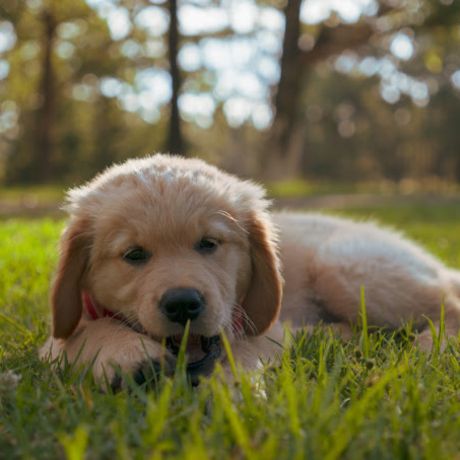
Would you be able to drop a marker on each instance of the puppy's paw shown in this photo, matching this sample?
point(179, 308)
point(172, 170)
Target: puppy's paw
point(148, 373)
point(426, 341)
point(139, 359)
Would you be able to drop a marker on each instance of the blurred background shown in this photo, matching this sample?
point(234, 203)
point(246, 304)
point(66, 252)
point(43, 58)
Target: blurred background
point(306, 96)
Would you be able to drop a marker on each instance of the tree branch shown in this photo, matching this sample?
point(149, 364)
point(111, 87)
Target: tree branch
point(333, 41)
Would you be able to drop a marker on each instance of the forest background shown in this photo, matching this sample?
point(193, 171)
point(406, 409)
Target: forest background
point(340, 90)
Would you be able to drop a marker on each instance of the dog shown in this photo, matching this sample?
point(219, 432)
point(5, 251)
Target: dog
point(160, 244)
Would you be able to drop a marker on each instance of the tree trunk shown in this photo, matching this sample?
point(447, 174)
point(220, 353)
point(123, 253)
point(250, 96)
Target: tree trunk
point(285, 139)
point(280, 147)
point(290, 76)
point(46, 113)
point(175, 142)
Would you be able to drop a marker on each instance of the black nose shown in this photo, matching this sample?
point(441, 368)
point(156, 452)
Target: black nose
point(182, 304)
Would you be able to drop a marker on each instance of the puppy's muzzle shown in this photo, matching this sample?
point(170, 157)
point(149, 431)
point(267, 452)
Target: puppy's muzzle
point(182, 304)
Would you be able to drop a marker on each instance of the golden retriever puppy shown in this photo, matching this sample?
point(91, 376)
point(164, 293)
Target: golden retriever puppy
point(156, 243)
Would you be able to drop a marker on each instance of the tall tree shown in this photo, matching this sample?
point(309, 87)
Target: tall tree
point(291, 76)
point(333, 38)
point(54, 76)
point(175, 141)
point(45, 115)
point(285, 135)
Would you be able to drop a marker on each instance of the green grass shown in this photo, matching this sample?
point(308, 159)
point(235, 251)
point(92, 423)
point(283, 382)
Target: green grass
point(374, 397)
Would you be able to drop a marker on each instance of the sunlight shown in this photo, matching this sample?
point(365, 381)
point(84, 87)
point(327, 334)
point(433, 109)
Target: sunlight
point(4, 69)
point(110, 87)
point(402, 47)
point(153, 19)
point(190, 57)
point(455, 79)
point(117, 17)
point(119, 24)
point(244, 67)
point(195, 20)
point(198, 107)
point(243, 15)
point(154, 81)
point(316, 11)
point(7, 36)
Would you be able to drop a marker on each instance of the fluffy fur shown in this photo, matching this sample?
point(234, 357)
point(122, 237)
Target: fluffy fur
point(166, 205)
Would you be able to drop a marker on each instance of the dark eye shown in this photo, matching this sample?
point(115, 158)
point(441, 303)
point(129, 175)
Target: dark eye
point(206, 245)
point(136, 256)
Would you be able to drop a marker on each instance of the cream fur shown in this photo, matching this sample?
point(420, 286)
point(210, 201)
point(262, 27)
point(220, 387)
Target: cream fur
point(166, 204)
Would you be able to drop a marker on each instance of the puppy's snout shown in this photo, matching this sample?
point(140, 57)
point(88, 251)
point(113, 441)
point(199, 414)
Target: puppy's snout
point(182, 304)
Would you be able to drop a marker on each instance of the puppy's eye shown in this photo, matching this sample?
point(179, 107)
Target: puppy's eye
point(136, 256)
point(206, 245)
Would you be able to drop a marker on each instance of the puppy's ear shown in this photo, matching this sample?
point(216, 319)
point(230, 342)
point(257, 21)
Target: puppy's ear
point(66, 289)
point(263, 299)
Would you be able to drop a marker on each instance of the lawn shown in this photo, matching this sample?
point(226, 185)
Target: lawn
point(374, 397)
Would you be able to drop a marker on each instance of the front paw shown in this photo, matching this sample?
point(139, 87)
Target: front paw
point(138, 360)
point(148, 373)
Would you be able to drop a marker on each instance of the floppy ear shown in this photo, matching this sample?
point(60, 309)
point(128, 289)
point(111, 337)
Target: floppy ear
point(66, 289)
point(263, 298)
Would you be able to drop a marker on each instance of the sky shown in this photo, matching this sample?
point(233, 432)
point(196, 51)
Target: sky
point(245, 67)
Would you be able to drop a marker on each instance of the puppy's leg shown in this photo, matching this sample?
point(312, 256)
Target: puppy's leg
point(451, 326)
point(111, 349)
point(401, 282)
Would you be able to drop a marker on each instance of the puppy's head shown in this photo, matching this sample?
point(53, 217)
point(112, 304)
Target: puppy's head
point(164, 240)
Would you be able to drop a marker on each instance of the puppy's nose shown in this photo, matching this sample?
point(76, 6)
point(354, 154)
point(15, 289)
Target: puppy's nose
point(182, 304)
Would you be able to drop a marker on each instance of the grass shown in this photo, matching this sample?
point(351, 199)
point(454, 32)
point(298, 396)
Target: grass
point(299, 188)
point(374, 397)
point(31, 201)
point(31, 197)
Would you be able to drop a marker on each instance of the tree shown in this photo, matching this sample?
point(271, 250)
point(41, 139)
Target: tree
point(38, 81)
point(285, 139)
point(63, 54)
point(284, 142)
point(287, 93)
point(46, 112)
point(175, 142)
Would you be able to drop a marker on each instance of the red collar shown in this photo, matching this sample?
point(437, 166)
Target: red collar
point(94, 310)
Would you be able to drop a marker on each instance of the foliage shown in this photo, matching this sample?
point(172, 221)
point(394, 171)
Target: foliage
point(87, 130)
point(74, 97)
point(327, 399)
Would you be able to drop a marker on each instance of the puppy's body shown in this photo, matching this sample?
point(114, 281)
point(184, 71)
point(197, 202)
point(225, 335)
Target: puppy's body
point(147, 230)
point(327, 260)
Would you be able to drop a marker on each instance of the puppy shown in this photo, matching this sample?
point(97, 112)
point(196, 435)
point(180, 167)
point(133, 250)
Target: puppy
point(157, 243)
